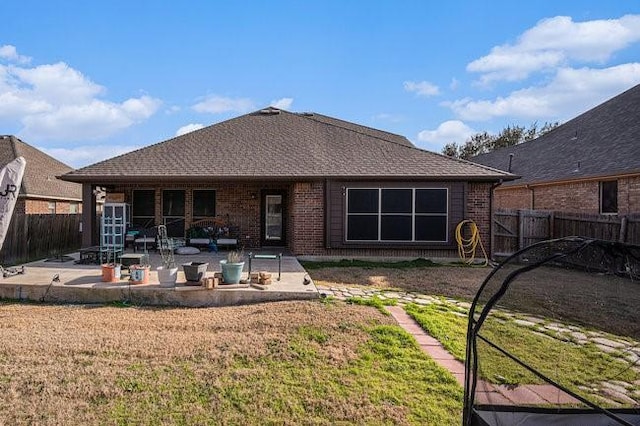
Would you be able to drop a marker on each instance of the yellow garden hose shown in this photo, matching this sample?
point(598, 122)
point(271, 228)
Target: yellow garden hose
point(467, 246)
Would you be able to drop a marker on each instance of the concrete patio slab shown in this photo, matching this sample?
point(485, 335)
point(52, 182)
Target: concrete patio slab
point(80, 283)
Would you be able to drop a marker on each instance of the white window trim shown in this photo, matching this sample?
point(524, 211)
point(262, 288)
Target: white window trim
point(413, 215)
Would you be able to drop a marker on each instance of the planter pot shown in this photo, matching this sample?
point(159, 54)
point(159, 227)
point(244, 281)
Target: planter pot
point(167, 276)
point(139, 274)
point(111, 273)
point(231, 272)
point(195, 271)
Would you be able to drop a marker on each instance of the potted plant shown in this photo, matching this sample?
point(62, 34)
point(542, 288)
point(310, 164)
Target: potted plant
point(195, 271)
point(168, 272)
point(111, 271)
point(232, 267)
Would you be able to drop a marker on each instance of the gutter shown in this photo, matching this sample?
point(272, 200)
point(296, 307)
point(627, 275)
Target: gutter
point(491, 238)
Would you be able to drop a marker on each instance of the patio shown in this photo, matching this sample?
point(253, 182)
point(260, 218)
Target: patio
point(80, 283)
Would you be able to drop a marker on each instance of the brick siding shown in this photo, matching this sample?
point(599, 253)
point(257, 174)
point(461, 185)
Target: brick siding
point(570, 197)
point(37, 206)
point(305, 216)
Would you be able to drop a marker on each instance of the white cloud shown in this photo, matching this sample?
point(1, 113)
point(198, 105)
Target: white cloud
point(570, 92)
point(284, 103)
point(57, 102)
point(10, 53)
point(555, 42)
point(449, 131)
point(81, 156)
point(454, 84)
point(421, 88)
point(189, 128)
point(215, 104)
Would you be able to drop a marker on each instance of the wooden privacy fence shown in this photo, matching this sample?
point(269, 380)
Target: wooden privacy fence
point(514, 230)
point(38, 236)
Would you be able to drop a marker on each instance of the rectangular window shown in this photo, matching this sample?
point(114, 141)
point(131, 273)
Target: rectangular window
point(73, 207)
point(609, 197)
point(51, 206)
point(397, 215)
point(144, 208)
point(204, 204)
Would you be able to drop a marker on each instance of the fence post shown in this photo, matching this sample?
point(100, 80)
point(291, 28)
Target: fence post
point(520, 229)
point(623, 230)
point(552, 224)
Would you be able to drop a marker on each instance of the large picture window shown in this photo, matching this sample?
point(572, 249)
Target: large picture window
point(397, 215)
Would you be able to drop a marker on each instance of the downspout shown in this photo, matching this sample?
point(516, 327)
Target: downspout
point(491, 242)
point(533, 196)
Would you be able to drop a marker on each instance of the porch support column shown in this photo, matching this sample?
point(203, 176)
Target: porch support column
point(89, 222)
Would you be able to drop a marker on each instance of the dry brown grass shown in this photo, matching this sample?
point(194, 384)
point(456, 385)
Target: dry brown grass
point(450, 281)
point(274, 363)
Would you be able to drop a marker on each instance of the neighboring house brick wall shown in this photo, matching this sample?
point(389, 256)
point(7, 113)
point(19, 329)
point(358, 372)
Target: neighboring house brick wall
point(38, 206)
point(512, 198)
point(629, 195)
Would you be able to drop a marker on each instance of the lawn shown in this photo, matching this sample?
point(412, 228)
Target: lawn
point(277, 363)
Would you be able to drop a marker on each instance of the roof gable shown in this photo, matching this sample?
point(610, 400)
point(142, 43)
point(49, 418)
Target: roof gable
point(277, 144)
point(41, 170)
point(603, 141)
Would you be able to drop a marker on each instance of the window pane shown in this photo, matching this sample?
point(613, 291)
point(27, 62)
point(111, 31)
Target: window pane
point(173, 202)
point(204, 203)
point(397, 200)
point(431, 200)
point(396, 228)
point(362, 228)
point(363, 201)
point(431, 228)
point(175, 227)
point(144, 201)
point(609, 197)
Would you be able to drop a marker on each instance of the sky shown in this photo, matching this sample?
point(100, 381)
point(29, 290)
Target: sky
point(89, 80)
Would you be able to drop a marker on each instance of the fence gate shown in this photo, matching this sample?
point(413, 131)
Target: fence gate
point(516, 229)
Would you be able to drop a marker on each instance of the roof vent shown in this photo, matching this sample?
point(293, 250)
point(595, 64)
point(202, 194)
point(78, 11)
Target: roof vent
point(270, 111)
point(306, 114)
point(510, 160)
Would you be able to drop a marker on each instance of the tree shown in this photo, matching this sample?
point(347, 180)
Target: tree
point(483, 142)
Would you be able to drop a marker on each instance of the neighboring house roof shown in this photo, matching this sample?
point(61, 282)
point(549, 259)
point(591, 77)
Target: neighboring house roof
point(40, 173)
point(604, 141)
point(277, 144)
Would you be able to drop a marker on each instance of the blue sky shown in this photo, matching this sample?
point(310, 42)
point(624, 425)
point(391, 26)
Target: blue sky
point(86, 81)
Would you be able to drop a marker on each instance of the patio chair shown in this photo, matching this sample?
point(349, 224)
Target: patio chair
point(146, 238)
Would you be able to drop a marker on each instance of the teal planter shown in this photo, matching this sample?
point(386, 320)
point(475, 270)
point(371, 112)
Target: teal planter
point(231, 272)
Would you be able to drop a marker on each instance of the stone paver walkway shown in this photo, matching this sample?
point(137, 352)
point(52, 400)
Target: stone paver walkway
point(613, 393)
point(486, 393)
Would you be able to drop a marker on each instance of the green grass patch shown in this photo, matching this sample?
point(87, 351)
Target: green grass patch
point(389, 381)
point(347, 263)
point(568, 363)
point(374, 302)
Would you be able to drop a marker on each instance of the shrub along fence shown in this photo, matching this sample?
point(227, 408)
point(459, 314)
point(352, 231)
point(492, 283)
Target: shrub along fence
point(38, 236)
point(516, 229)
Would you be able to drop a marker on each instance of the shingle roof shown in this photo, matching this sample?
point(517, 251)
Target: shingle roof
point(603, 141)
point(276, 144)
point(41, 170)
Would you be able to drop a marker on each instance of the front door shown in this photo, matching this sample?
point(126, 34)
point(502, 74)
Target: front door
point(273, 212)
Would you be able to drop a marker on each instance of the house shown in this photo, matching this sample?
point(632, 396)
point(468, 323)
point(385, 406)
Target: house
point(316, 185)
point(590, 164)
point(41, 191)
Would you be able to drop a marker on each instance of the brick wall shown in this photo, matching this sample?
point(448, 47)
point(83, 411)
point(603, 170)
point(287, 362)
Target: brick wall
point(479, 210)
point(512, 198)
point(37, 206)
point(629, 195)
point(307, 218)
point(571, 197)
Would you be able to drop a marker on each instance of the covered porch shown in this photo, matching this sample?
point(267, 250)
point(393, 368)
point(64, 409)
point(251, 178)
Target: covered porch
point(253, 214)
